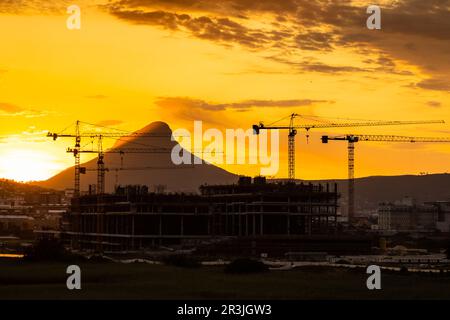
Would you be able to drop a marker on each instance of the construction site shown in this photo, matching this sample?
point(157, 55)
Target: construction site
point(133, 219)
point(248, 217)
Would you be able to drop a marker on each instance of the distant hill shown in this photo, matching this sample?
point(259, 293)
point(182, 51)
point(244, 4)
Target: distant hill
point(10, 188)
point(181, 178)
point(371, 191)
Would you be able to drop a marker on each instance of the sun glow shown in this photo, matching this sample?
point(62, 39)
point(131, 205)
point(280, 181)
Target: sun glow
point(27, 165)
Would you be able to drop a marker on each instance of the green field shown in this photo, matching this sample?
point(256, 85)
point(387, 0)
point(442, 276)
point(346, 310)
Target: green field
point(26, 280)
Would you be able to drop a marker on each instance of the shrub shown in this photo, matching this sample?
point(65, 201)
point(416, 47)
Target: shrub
point(242, 266)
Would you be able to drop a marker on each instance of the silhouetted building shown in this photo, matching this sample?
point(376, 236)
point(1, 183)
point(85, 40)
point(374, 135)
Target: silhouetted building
point(443, 215)
point(407, 216)
point(15, 215)
point(133, 218)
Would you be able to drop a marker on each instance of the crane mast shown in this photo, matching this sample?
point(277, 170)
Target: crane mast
point(101, 167)
point(351, 177)
point(76, 154)
point(352, 139)
point(291, 148)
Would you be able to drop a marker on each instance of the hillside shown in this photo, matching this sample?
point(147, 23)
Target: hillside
point(370, 191)
point(10, 188)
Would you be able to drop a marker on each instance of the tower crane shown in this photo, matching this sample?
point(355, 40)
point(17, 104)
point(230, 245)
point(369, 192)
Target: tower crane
point(292, 132)
point(352, 139)
point(78, 135)
point(101, 165)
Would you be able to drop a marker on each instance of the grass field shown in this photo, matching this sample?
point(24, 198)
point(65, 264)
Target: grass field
point(26, 280)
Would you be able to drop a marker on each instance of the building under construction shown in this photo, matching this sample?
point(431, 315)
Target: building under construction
point(133, 219)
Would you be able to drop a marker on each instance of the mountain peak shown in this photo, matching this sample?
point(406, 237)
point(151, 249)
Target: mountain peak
point(160, 129)
point(136, 167)
point(156, 127)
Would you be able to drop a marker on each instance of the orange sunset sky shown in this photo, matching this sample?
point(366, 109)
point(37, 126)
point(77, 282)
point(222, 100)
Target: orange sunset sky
point(231, 64)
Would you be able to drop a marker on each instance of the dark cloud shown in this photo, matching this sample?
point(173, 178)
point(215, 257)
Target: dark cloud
point(386, 64)
point(235, 8)
point(315, 41)
point(429, 18)
point(34, 6)
point(11, 110)
point(361, 38)
point(189, 103)
point(385, 61)
point(220, 21)
point(221, 30)
point(325, 68)
point(412, 30)
point(434, 104)
point(416, 32)
point(435, 84)
point(382, 64)
point(320, 67)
